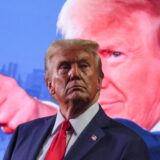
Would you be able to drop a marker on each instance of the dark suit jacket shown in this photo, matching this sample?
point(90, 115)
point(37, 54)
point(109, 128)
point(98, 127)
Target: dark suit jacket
point(152, 139)
point(114, 141)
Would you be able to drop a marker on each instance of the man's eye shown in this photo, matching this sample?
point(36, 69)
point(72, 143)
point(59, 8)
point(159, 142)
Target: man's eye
point(116, 53)
point(83, 65)
point(64, 67)
point(112, 56)
point(110, 53)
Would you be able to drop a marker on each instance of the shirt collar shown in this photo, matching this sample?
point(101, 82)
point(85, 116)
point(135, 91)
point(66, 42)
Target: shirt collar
point(59, 120)
point(78, 123)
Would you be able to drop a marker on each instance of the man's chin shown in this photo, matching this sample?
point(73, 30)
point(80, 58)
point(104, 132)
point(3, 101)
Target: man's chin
point(77, 94)
point(77, 98)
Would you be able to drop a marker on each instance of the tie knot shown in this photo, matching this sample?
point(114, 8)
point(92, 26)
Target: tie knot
point(66, 125)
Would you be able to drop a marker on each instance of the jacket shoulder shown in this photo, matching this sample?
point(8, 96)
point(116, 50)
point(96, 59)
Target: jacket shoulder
point(36, 123)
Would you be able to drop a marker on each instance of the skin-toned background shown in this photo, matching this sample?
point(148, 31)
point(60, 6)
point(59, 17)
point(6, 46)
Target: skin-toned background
point(27, 28)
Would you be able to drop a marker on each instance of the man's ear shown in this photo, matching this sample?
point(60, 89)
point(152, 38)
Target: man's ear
point(50, 86)
point(99, 81)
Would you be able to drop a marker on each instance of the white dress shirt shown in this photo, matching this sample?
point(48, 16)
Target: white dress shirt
point(78, 124)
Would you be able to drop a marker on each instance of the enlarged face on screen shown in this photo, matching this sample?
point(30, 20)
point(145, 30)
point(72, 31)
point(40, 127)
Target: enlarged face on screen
point(131, 65)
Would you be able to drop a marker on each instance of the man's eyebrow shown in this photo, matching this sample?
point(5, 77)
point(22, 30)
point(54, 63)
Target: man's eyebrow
point(62, 63)
point(83, 60)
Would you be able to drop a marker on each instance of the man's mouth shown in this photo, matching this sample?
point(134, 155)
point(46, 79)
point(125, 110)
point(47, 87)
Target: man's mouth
point(74, 88)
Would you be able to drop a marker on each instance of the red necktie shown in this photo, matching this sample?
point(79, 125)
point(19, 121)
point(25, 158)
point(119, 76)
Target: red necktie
point(58, 145)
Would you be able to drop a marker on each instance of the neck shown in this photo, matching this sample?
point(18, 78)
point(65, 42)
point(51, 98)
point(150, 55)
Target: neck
point(74, 109)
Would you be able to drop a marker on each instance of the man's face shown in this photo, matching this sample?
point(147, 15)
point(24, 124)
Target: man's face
point(75, 77)
point(131, 84)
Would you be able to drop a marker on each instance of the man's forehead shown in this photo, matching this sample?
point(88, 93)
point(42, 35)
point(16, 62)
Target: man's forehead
point(114, 38)
point(129, 37)
point(72, 55)
point(121, 32)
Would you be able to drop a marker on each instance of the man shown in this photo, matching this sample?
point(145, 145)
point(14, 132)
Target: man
point(73, 77)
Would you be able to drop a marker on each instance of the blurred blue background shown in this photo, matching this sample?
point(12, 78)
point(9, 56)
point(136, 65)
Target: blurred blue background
point(26, 29)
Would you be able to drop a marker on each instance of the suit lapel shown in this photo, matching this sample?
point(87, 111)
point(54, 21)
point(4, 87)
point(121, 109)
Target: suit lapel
point(92, 134)
point(40, 134)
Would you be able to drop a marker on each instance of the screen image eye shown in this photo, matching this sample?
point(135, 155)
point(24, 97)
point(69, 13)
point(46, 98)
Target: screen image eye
point(116, 54)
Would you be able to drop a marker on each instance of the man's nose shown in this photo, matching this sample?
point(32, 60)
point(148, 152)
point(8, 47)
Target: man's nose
point(74, 72)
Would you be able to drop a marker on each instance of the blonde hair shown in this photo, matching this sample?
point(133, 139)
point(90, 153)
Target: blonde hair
point(76, 45)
